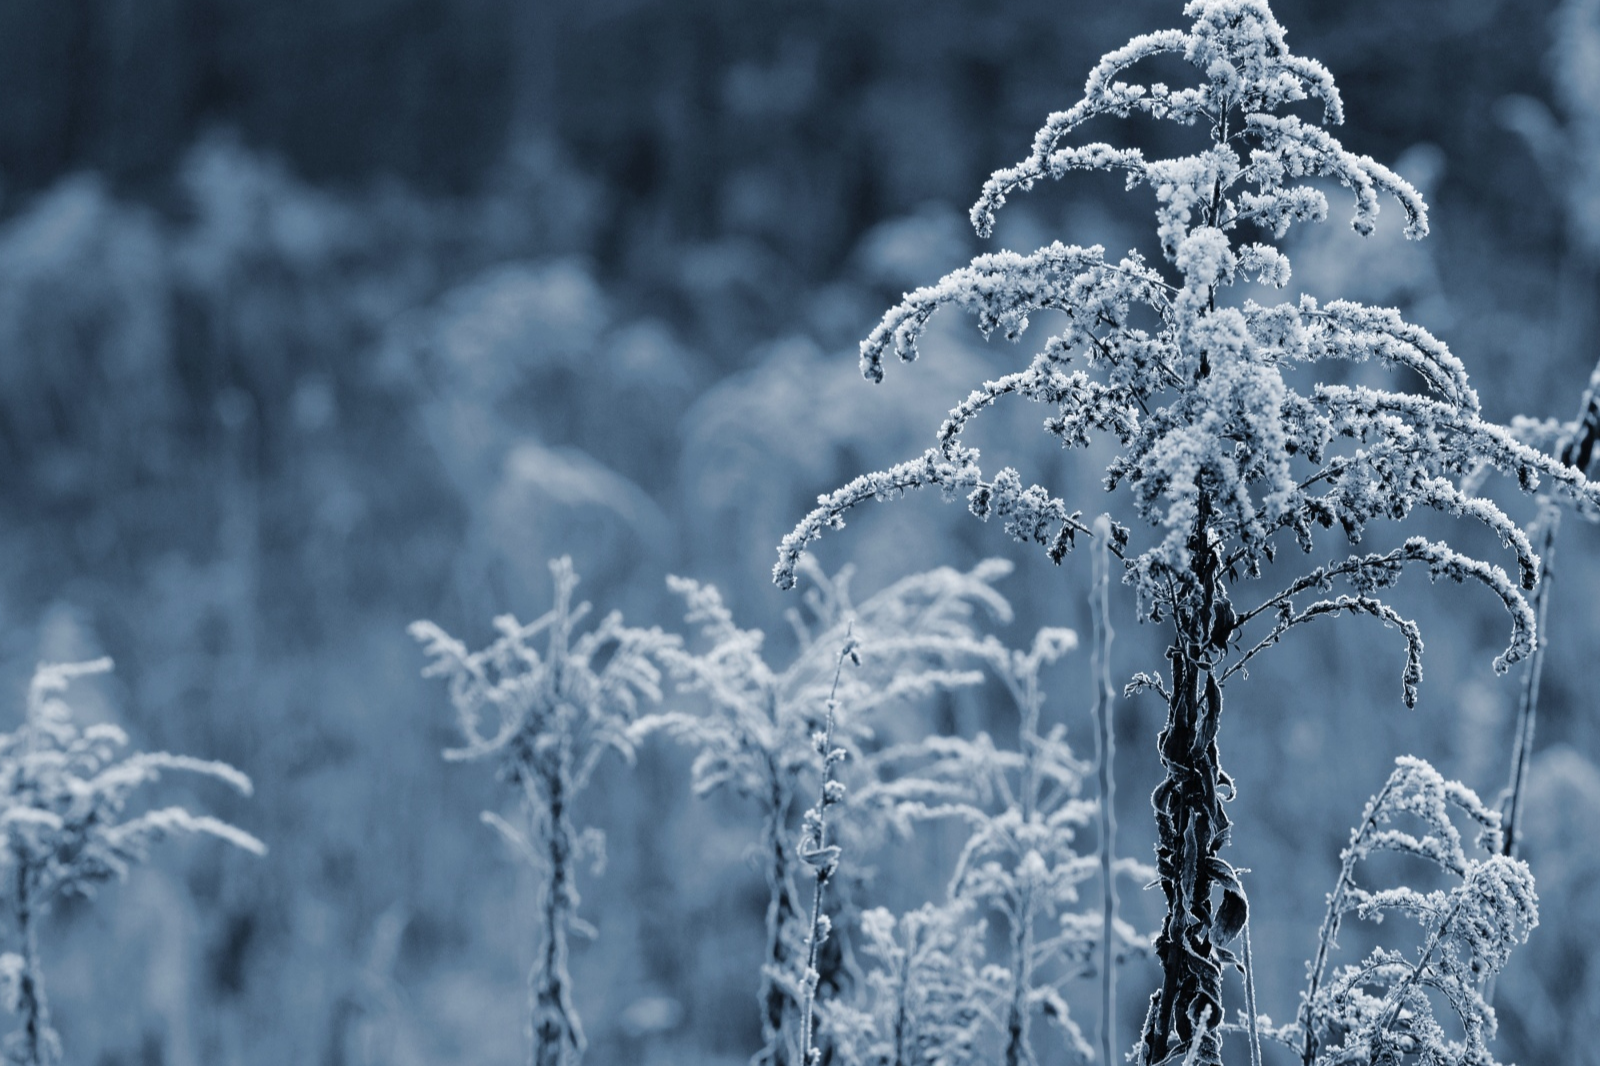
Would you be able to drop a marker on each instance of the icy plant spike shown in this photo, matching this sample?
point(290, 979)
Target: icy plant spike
point(64, 791)
point(1381, 1008)
point(753, 734)
point(818, 853)
point(544, 718)
point(1226, 457)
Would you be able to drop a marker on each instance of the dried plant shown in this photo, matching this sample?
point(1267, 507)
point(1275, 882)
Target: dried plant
point(1380, 1010)
point(551, 716)
point(64, 791)
point(755, 734)
point(930, 1000)
point(1225, 457)
point(1023, 860)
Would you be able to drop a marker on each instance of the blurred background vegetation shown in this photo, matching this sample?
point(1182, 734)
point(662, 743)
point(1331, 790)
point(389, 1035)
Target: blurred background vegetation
point(316, 318)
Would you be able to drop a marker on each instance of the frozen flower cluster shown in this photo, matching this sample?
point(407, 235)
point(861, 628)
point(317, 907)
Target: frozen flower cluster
point(1227, 445)
point(1200, 392)
point(64, 794)
point(1382, 1008)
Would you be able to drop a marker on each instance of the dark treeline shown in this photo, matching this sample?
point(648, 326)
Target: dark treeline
point(796, 123)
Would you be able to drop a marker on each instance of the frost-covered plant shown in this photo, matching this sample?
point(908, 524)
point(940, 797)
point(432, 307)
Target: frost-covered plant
point(545, 719)
point(755, 734)
point(1381, 1009)
point(1225, 457)
point(64, 790)
point(1022, 859)
point(930, 1000)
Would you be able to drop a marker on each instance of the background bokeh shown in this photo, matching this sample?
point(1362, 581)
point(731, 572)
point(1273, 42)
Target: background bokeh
point(320, 317)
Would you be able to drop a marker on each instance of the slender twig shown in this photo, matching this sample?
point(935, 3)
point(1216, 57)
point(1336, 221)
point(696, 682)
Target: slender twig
point(825, 859)
point(1576, 450)
point(1250, 1000)
point(1329, 931)
point(1528, 703)
point(1105, 736)
point(39, 1039)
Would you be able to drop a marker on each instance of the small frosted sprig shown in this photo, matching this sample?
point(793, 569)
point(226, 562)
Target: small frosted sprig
point(930, 998)
point(64, 830)
point(545, 716)
point(912, 638)
point(514, 700)
point(1023, 813)
point(64, 789)
point(1381, 1007)
point(820, 854)
point(754, 735)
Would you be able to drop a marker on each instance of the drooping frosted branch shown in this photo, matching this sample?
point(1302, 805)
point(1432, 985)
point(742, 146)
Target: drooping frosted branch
point(1003, 288)
point(1293, 148)
point(1369, 573)
point(1384, 1005)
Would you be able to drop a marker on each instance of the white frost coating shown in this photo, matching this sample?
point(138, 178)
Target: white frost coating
point(65, 829)
point(773, 737)
point(1192, 387)
point(1384, 1006)
point(544, 702)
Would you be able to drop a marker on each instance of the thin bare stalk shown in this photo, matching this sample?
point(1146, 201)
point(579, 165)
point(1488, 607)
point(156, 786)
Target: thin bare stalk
point(1329, 932)
point(782, 909)
point(1528, 703)
point(1576, 451)
point(40, 1044)
point(1019, 1048)
point(1250, 1000)
point(557, 1034)
point(1105, 739)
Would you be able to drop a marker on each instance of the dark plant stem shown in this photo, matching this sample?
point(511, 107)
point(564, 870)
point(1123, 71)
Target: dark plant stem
point(782, 909)
point(1019, 1050)
point(1191, 825)
point(1528, 704)
point(39, 1038)
point(1105, 735)
point(557, 1034)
